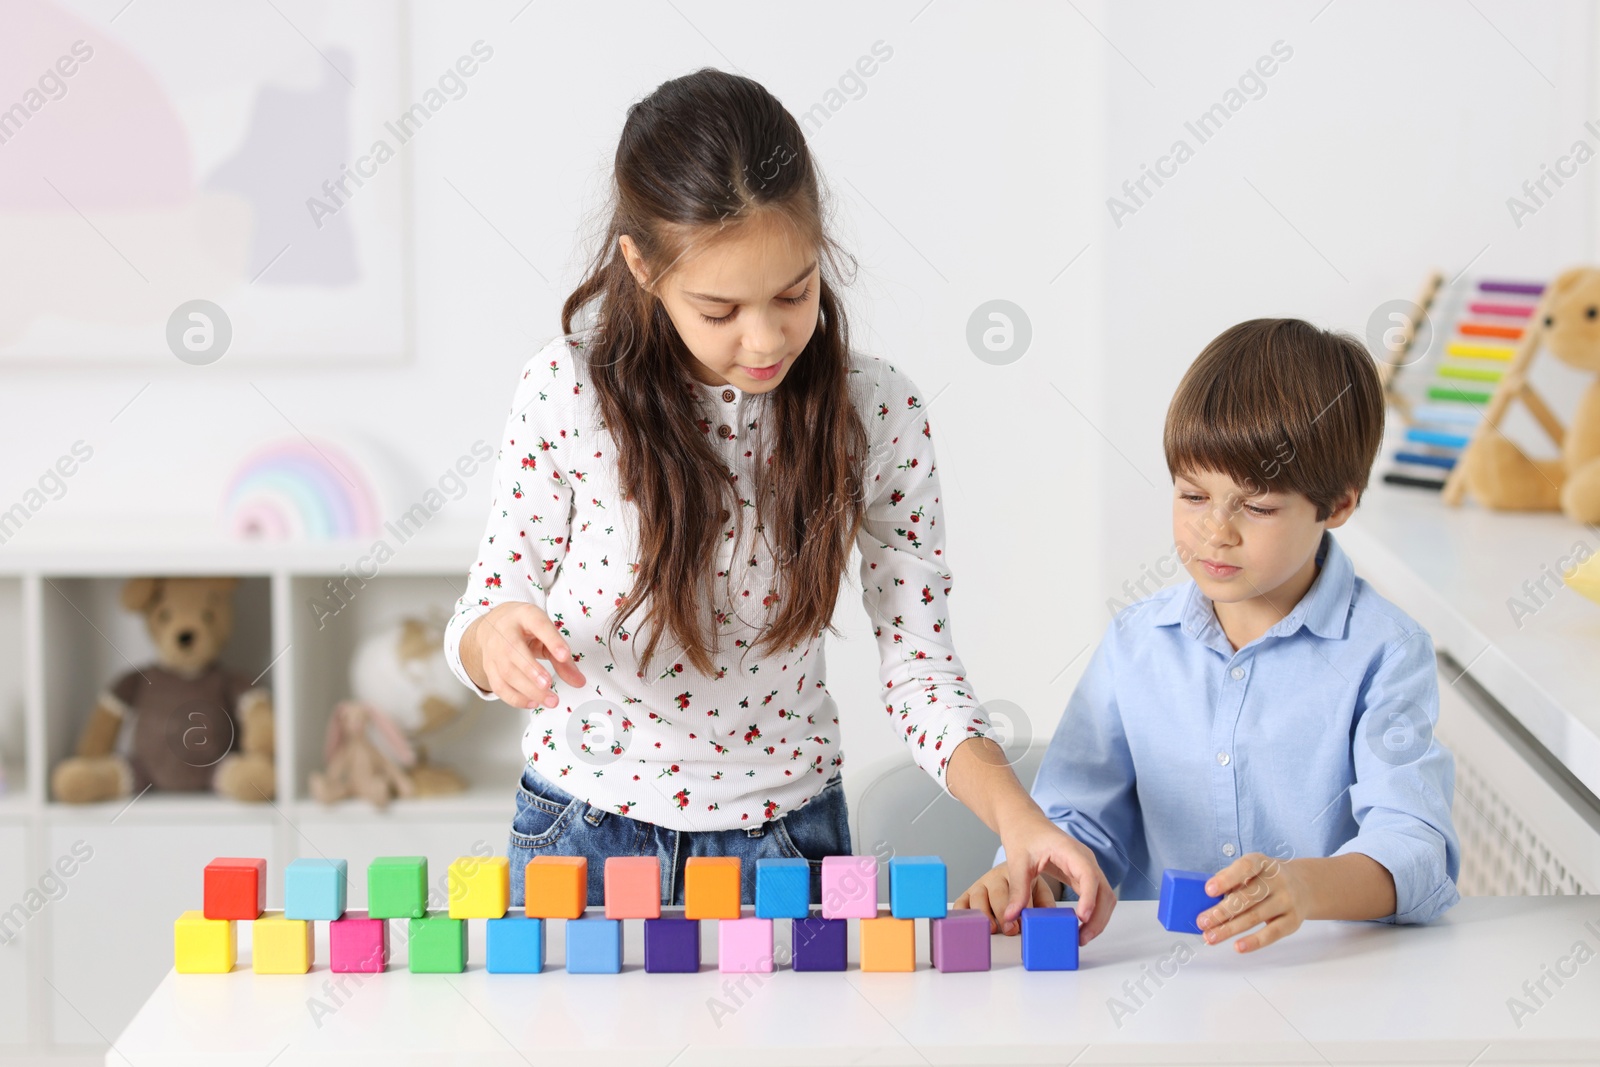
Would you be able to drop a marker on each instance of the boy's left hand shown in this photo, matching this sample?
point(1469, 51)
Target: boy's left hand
point(1256, 889)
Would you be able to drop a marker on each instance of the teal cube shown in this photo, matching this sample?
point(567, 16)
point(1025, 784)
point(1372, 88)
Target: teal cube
point(516, 945)
point(397, 887)
point(436, 944)
point(594, 946)
point(918, 887)
point(783, 889)
point(315, 888)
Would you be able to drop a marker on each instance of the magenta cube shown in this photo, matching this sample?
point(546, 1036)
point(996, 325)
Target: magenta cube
point(358, 944)
point(744, 946)
point(850, 887)
point(960, 941)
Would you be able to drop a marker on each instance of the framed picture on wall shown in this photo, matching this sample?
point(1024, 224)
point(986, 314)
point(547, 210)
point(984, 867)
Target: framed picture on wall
point(195, 179)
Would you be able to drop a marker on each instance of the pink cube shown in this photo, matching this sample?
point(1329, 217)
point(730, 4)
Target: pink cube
point(358, 944)
point(744, 946)
point(850, 887)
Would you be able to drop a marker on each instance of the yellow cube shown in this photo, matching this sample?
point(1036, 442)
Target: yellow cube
point(279, 945)
point(480, 888)
point(711, 887)
point(204, 946)
point(888, 944)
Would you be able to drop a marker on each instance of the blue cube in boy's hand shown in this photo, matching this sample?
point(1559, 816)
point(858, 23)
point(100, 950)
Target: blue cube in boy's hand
point(1183, 898)
point(918, 887)
point(314, 888)
point(783, 888)
point(1049, 939)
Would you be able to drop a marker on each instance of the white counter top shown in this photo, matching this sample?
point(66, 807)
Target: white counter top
point(1457, 571)
point(1331, 993)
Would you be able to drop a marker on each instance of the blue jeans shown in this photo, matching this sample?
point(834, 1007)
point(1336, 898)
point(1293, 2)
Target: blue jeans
point(552, 822)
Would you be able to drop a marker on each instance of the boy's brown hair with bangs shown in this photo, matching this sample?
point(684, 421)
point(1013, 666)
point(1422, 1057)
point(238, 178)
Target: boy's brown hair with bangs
point(1279, 405)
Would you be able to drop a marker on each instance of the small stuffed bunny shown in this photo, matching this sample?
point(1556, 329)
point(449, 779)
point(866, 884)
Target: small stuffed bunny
point(353, 765)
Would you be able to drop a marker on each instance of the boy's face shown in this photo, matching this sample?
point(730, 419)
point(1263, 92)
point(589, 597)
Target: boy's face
point(762, 291)
point(1249, 548)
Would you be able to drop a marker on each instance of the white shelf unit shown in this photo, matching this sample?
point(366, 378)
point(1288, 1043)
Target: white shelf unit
point(79, 953)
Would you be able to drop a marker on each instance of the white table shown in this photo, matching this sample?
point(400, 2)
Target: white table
point(1332, 993)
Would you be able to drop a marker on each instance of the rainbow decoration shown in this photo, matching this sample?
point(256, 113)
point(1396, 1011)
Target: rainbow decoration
point(298, 489)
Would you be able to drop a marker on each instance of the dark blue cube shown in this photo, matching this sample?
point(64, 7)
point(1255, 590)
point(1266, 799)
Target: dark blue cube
point(1049, 939)
point(820, 944)
point(671, 946)
point(1183, 898)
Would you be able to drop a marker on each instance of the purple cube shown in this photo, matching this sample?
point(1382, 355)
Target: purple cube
point(671, 946)
point(960, 941)
point(819, 944)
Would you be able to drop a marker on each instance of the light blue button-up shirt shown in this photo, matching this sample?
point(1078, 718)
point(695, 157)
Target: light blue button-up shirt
point(1315, 739)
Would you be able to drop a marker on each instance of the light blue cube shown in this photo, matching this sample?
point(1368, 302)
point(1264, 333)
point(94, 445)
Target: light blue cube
point(918, 887)
point(594, 946)
point(783, 889)
point(315, 888)
point(515, 945)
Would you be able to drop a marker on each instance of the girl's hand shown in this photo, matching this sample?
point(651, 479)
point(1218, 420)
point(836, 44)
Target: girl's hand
point(1034, 845)
point(990, 893)
point(502, 648)
point(1256, 889)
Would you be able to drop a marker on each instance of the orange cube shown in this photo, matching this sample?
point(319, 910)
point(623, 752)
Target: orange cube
point(556, 887)
point(888, 944)
point(633, 887)
point(711, 887)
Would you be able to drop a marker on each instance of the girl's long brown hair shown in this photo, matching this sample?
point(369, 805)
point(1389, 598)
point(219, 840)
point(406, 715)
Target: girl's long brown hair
point(702, 156)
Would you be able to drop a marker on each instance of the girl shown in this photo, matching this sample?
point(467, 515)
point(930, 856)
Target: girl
point(677, 492)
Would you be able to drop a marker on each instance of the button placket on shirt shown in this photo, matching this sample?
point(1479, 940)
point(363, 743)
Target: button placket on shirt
point(1224, 727)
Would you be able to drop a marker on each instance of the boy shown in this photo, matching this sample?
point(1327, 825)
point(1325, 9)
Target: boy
point(1273, 717)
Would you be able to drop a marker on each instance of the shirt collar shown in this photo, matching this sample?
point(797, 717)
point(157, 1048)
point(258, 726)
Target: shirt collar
point(1322, 610)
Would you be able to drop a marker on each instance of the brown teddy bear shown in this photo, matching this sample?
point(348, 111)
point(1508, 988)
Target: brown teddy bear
point(184, 723)
point(1498, 473)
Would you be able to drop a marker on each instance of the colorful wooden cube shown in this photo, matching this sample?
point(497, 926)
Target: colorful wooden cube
point(744, 946)
point(315, 888)
point(397, 887)
point(711, 887)
point(515, 945)
point(960, 941)
point(204, 946)
point(1183, 898)
point(479, 887)
point(436, 944)
point(235, 888)
point(633, 887)
point(818, 944)
point(888, 944)
point(783, 888)
point(358, 944)
point(850, 887)
point(917, 887)
point(556, 887)
point(671, 946)
point(594, 946)
point(1049, 939)
point(279, 945)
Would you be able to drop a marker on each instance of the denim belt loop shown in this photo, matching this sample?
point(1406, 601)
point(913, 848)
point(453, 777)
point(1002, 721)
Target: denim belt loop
point(594, 816)
point(755, 831)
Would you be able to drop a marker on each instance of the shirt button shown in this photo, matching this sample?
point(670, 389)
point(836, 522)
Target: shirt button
point(724, 431)
point(727, 394)
point(1237, 672)
point(1222, 759)
point(1228, 850)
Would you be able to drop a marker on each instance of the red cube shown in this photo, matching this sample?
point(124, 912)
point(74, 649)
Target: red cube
point(235, 888)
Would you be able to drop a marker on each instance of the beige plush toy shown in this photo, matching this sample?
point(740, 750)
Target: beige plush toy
point(183, 723)
point(1497, 472)
point(353, 766)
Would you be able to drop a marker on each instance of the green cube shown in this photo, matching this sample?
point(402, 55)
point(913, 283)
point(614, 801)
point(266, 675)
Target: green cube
point(397, 887)
point(437, 944)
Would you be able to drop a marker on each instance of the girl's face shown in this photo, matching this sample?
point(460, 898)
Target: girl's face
point(745, 306)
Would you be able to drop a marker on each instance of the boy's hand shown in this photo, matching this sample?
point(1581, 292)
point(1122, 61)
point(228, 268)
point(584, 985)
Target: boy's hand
point(503, 648)
point(991, 893)
point(1256, 889)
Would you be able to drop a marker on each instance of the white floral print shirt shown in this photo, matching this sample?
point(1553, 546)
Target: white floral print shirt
point(759, 736)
